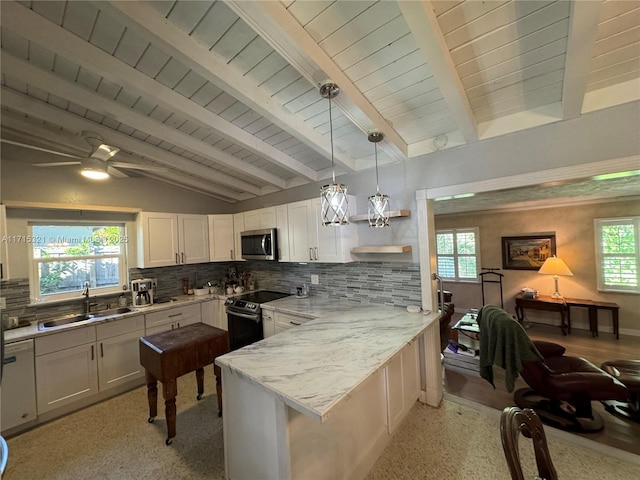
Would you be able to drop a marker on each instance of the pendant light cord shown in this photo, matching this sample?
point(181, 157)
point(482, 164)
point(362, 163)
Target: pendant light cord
point(375, 146)
point(333, 172)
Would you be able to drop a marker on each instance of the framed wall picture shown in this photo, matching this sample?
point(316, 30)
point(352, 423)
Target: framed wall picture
point(527, 252)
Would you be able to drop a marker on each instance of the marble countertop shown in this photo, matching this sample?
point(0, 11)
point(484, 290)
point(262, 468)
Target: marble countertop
point(314, 366)
point(31, 331)
point(311, 307)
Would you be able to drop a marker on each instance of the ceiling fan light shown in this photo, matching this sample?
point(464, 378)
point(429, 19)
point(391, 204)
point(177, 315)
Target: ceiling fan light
point(94, 168)
point(94, 174)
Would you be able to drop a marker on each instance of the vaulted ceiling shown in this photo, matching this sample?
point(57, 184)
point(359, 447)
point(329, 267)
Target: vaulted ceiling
point(222, 97)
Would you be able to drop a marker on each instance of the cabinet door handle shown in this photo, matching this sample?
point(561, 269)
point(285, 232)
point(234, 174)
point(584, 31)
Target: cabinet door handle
point(182, 257)
point(172, 326)
point(231, 254)
point(315, 250)
point(178, 324)
point(92, 353)
point(294, 323)
point(177, 259)
point(310, 253)
point(101, 349)
point(175, 315)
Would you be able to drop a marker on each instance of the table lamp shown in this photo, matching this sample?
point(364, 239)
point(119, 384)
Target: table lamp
point(555, 266)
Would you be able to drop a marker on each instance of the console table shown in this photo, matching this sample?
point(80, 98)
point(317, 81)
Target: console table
point(563, 306)
point(169, 355)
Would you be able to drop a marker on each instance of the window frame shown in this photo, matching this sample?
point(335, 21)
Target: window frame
point(34, 263)
point(598, 224)
point(456, 255)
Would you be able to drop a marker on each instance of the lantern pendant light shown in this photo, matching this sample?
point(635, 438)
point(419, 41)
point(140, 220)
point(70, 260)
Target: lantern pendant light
point(335, 207)
point(378, 203)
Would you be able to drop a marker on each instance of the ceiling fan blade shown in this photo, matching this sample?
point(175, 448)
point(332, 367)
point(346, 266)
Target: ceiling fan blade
point(135, 166)
point(55, 164)
point(114, 172)
point(40, 149)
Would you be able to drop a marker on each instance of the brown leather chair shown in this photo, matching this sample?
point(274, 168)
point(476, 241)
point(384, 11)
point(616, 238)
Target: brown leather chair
point(561, 387)
point(515, 421)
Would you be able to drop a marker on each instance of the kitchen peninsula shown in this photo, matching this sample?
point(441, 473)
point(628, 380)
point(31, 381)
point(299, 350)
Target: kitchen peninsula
point(321, 400)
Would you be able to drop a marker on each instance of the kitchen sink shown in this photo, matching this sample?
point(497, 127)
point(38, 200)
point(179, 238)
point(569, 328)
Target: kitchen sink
point(111, 313)
point(75, 319)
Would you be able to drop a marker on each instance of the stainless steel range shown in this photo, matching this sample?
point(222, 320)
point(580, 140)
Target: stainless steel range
point(244, 316)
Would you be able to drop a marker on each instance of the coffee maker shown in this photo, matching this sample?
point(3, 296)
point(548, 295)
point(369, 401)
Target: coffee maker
point(143, 291)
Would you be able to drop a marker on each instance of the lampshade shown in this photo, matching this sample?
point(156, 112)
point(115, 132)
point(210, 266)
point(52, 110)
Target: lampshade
point(378, 212)
point(334, 203)
point(555, 266)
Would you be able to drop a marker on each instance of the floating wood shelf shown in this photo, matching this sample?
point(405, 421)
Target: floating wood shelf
point(394, 213)
point(382, 249)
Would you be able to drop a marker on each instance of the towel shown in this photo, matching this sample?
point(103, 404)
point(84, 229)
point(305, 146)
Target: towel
point(503, 342)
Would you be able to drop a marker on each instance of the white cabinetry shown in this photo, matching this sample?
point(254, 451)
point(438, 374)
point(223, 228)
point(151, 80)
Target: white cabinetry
point(172, 318)
point(213, 313)
point(285, 321)
point(260, 219)
point(282, 227)
point(221, 238)
point(77, 364)
point(402, 383)
point(119, 352)
point(4, 255)
point(172, 239)
point(238, 228)
point(309, 241)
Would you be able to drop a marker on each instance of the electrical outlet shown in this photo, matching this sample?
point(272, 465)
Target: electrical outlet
point(3, 302)
point(315, 280)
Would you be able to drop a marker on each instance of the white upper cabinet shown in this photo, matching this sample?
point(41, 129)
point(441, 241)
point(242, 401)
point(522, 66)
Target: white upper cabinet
point(238, 228)
point(4, 256)
point(260, 219)
point(309, 241)
point(172, 239)
point(282, 226)
point(221, 238)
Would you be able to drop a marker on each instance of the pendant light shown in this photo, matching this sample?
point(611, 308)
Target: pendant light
point(378, 203)
point(335, 207)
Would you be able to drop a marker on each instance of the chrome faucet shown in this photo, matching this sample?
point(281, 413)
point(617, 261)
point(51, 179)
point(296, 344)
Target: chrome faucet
point(85, 292)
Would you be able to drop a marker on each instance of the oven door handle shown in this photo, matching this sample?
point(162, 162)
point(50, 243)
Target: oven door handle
point(255, 318)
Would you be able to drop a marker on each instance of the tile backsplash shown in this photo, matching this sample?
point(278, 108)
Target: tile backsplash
point(389, 283)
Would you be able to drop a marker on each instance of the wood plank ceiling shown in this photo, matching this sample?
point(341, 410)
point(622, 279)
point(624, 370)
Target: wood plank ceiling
point(224, 95)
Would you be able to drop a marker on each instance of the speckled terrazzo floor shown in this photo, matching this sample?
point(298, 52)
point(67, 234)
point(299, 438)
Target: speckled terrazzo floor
point(112, 440)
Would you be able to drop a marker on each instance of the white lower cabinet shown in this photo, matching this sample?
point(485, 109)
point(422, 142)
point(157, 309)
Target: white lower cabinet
point(402, 383)
point(213, 313)
point(74, 365)
point(285, 321)
point(172, 318)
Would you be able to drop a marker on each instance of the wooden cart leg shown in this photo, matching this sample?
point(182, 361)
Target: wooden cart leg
point(170, 390)
point(200, 382)
point(152, 396)
point(218, 374)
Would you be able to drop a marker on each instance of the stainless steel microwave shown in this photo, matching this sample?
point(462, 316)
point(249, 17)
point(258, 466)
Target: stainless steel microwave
point(259, 244)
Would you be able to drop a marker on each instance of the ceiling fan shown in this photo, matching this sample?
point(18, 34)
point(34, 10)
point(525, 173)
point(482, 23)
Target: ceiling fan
point(97, 164)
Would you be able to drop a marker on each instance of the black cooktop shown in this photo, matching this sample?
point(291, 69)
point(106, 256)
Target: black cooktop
point(261, 296)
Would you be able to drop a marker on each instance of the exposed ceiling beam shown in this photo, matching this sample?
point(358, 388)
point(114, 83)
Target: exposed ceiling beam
point(583, 31)
point(424, 27)
point(34, 27)
point(152, 26)
point(50, 82)
point(273, 22)
point(70, 121)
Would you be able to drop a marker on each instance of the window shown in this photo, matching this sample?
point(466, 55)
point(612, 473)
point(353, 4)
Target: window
point(458, 254)
point(618, 254)
point(65, 257)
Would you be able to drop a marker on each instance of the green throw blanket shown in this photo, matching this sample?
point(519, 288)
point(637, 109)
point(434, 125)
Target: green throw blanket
point(503, 342)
